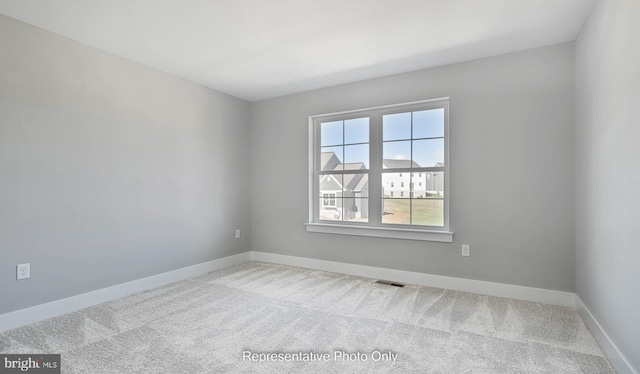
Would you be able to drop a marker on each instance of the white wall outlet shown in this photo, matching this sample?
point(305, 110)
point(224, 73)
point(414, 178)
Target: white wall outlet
point(23, 271)
point(465, 250)
point(237, 233)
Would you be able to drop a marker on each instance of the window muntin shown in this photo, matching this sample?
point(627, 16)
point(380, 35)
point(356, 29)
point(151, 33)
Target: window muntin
point(399, 153)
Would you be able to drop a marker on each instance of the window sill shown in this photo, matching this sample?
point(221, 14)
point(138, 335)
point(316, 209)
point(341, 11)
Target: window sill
point(382, 232)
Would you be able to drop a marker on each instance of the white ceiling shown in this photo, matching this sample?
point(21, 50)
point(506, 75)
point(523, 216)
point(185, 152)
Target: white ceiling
point(257, 49)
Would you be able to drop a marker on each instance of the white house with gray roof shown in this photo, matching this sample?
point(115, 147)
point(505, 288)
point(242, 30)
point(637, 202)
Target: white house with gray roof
point(419, 184)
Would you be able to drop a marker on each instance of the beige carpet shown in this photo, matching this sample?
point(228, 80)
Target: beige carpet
point(327, 322)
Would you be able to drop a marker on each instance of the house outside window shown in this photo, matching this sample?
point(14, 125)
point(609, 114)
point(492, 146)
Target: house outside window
point(357, 160)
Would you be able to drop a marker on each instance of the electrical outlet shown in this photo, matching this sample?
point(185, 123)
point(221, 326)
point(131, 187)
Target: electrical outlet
point(23, 271)
point(237, 233)
point(465, 250)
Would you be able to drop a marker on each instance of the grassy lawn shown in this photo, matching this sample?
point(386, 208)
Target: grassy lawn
point(428, 211)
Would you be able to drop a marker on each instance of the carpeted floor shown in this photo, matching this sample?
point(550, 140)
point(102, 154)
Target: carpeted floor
point(206, 324)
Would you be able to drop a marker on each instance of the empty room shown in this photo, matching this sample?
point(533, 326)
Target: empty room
point(319, 186)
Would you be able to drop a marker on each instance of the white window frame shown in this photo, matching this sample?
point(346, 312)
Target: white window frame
point(375, 228)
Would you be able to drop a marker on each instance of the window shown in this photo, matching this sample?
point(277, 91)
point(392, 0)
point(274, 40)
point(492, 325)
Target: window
point(328, 199)
point(357, 158)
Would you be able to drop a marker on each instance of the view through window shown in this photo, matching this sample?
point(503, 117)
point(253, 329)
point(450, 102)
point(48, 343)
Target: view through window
point(384, 167)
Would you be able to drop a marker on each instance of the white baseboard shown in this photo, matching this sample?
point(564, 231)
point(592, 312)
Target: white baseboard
point(56, 308)
point(610, 350)
point(539, 295)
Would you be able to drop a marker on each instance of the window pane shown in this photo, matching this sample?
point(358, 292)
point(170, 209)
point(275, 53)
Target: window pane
point(396, 126)
point(356, 130)
point(331, 133)
point(396, 185)
point(331, 158)
point(428, 153)
point(396, 211)
point(429, 212)
point(396, 155)
point(356, 157)
point(433, 184)
point(355, 209)
point(428, 123)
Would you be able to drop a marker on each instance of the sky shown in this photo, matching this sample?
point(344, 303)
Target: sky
point(342, 137)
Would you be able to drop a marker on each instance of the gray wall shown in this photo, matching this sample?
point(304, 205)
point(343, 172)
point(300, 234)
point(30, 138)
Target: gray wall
point(512, 170)
point(109, 170)
point(608, 171)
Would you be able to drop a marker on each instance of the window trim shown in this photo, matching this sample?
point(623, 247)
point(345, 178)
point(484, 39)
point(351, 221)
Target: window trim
point(429, 233)
point(381, 232)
